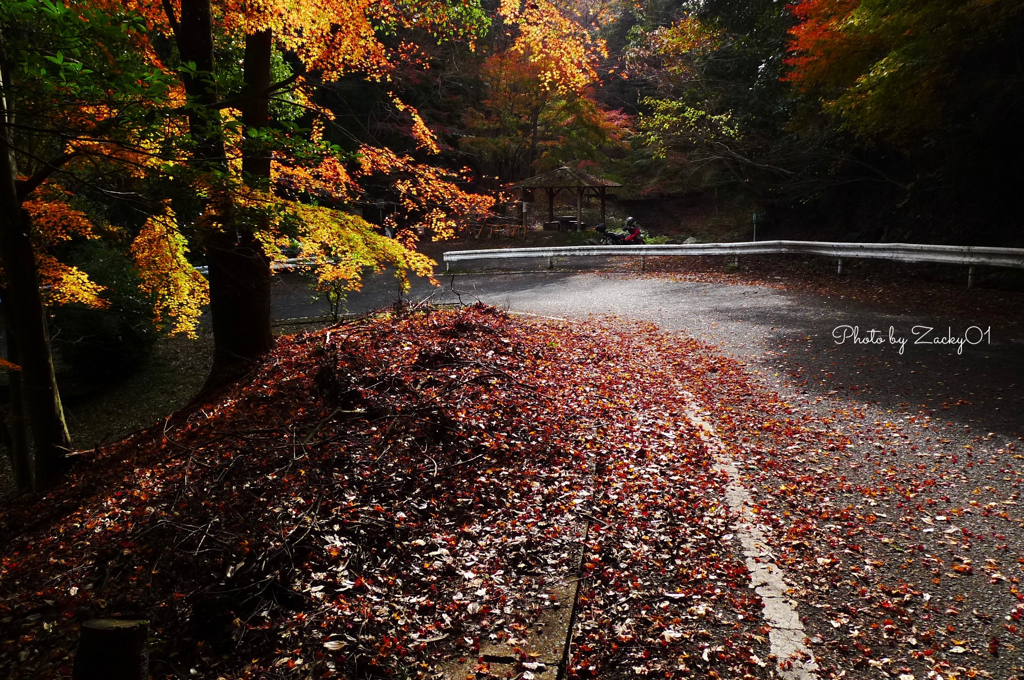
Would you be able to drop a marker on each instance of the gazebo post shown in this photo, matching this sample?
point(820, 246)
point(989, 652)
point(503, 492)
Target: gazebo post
point(579, 208)
point(600, 192)
point(551, 203)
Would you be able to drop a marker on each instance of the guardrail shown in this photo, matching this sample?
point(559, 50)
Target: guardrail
point(275, 265)
point(969, 256)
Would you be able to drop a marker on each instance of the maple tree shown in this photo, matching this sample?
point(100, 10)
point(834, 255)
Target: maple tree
point(159, 113)
point(563, 50)
point(539, 109)
point(248, 216)
point(523, 126)
point(506, 134)
point(74, 93)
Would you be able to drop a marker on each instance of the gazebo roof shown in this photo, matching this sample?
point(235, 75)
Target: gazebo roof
point(564, 177)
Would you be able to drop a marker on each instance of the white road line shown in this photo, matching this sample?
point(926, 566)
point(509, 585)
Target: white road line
point(796, 662)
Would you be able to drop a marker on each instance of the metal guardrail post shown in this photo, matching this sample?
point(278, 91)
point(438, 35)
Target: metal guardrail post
point(970, 277)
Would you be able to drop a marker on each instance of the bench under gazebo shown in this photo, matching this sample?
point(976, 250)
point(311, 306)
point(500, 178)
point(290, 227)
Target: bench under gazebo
point(570, 179)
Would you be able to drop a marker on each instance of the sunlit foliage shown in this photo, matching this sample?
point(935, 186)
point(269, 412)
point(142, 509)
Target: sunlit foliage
point(563, 51)
point(313, 184)
point(179, 290)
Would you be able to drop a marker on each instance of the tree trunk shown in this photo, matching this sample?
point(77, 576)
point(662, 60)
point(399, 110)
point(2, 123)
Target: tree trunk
point(239, 271)
point(534, 139)
point(239, 305)
point(579, 208)
point(194, 35)
point(17, 423)
point(256, 107)
point(26, 316)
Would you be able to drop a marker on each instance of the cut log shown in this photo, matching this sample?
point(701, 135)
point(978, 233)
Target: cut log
point(113, 649)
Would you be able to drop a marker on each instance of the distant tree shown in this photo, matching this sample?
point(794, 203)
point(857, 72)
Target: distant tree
point(934, 85)
point(895, 70)
point(539, 108)
point(711, 105)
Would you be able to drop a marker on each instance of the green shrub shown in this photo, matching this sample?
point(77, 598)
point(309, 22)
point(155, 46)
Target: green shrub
point(96, 347)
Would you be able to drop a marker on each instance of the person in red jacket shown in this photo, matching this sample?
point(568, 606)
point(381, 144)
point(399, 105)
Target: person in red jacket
point(632, 231)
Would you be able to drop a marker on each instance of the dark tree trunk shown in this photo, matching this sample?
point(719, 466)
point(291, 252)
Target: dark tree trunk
point(17, 423)
point(24, 310)
point(256, 107)
point(239, 270)
point(534, 140)
point(26, 316)
point(239, 305)
point(194, 35)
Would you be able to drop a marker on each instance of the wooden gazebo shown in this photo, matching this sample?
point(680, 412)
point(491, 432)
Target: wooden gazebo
point(554, 181)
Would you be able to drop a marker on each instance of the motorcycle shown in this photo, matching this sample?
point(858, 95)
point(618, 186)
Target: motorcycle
point(612, 238)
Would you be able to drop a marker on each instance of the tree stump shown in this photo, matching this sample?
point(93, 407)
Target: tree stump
point(113, 649)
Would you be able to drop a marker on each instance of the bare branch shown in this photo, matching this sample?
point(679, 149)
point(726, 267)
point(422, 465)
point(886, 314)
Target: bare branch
point(245, 98)
point(27, 186)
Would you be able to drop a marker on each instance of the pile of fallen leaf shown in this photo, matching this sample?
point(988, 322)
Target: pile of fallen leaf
point(389, 493)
